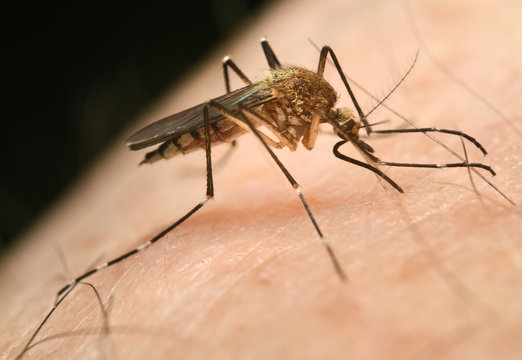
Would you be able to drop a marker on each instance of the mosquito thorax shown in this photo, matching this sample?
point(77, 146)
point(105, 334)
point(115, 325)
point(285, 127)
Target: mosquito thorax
point(301, 91)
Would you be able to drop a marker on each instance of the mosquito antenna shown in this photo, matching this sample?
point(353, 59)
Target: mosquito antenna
point(431, 137)
point(451, 75)
point(379, 101)
point(396, 85)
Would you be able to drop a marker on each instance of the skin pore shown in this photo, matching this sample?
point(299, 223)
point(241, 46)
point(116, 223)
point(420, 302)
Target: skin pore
point(433, 273)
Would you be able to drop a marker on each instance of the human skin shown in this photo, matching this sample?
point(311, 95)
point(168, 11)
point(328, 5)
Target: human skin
point(433, 273)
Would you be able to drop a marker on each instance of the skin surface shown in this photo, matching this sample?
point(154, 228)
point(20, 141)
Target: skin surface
point(434, 273)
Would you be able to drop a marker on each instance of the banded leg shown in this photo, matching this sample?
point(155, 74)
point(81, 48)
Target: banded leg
point(241, 120)
point(435, 129)
point(270, 56)
point(341, 156)
point(440, 166)
point(462, 135)
point(377, 171)
point(209, 195)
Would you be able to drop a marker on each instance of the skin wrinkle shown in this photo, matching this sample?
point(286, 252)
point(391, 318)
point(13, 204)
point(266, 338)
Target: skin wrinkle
point(238, 279)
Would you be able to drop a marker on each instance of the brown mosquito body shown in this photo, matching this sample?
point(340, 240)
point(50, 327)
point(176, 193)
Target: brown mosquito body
point(289, 101)
point(284, 109)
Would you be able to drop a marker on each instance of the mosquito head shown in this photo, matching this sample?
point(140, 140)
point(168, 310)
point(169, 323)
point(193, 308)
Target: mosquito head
point(347, 125)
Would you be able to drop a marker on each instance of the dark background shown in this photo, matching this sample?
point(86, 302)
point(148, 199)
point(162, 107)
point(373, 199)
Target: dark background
point(75, 76)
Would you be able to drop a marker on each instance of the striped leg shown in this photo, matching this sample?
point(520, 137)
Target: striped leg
point(242, 120)
point(209, 195)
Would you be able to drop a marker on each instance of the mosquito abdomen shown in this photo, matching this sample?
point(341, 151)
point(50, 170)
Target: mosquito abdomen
point(220, 132)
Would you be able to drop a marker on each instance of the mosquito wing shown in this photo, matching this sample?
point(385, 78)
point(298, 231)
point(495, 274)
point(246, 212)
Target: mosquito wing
point(192, 118)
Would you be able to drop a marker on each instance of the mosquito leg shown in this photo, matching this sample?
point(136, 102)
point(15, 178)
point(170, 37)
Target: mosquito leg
point(364, 165)
point(310, 135)
point(283, 141)
point(440, 166)
point(241, 120)
point(270, 56)
point(297, 188)
point(434, 129)
point(320, 71)
point(209, 195)
point(229, 63)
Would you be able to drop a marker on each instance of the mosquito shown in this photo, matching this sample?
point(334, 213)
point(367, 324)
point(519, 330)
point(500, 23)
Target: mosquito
point(289, 103)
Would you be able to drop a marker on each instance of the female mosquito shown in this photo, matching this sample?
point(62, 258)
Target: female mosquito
point(290, 102)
